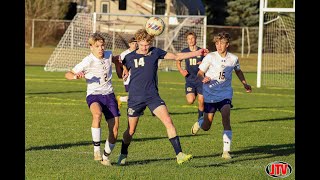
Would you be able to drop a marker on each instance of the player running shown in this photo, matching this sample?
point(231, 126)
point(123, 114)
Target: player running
point(216, 74)
point(143, 91)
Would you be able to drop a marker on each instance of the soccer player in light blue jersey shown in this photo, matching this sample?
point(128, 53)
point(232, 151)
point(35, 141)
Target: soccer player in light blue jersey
point(143, 91)
point(216, 74)
point(96, 68)
point(193, 85)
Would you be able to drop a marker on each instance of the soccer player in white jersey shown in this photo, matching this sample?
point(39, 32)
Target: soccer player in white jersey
point(216, 74)
point(96, 68)
point(132, 46)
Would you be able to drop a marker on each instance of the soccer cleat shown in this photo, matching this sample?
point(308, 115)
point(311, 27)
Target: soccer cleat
point(195, 128)
point(97, 156)
point(122, 159)
point(106, 162)
point(181, 157)
point(119, 102)
point(226, 155)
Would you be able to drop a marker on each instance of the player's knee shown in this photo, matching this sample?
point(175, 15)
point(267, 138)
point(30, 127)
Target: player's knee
point(97, 115)
point(190, 101)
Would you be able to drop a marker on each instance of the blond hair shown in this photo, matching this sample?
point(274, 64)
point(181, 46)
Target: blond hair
point(95, 37)
point(222, 35)
point(191, 33)
point(142, 34)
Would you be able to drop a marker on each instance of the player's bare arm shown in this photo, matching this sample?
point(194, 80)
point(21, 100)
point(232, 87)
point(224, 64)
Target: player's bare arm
point(204, 79)
point(185, 55)
point(241, 77)
point(125, 73)
point(70, 75)
point(118, 65)
point(182, 71)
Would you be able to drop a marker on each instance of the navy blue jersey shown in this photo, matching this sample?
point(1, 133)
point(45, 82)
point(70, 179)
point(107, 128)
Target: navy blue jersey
point(191, 66)
point(143, 80)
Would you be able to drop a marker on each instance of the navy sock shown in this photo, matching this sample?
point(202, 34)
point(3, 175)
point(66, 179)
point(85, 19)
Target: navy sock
point(200, 113)
point(124, 148)
point(176, 144)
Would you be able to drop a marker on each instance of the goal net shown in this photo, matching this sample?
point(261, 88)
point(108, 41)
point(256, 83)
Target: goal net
point(278, 48)
point(117, 30)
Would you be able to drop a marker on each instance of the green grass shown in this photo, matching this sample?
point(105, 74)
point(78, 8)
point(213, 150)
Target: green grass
point(58, 135)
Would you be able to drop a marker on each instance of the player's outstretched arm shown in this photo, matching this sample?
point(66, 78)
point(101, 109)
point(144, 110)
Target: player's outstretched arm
point(185, 55)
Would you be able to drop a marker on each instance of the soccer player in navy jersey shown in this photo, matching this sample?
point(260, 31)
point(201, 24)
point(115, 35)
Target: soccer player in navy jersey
point(143, 91)
point(215, 72)
point(193, 85)
point(96, 68)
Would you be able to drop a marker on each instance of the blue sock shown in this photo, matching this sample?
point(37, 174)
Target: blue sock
point(176, 144)
point(200, 113)
point(200, 121)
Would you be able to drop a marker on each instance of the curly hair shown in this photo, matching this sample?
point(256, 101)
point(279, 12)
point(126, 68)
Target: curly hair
point(142, 34)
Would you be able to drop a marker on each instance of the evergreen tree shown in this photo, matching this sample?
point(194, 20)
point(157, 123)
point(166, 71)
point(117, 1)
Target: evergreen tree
point(216, 11)
point(243, 13)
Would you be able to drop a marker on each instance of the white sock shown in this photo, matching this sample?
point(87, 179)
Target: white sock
point(96, 137)
point(123, 98)
point(227, 137)
point(108, 149)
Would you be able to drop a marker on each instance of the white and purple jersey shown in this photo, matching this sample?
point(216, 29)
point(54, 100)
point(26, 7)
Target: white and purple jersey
point(219, 69)
point(98, 74)
point(122, 56)
point(144, 79)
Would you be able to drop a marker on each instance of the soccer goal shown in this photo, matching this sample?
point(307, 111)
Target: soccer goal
point(276, 46)
point(117, 30)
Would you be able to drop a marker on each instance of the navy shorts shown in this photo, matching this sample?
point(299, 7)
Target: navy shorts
point(136, 107)
point(126, 87)
point(213, 107)
point(108, 104)
point(193, 87)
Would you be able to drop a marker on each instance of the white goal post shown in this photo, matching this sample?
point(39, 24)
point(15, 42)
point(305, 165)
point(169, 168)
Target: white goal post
point(276, 46)
point(117, 30)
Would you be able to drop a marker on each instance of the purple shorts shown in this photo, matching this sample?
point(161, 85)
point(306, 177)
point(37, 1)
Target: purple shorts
point(108, 104)
point(213, 107)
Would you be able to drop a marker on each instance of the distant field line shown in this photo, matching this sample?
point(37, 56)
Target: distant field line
point(176, 106)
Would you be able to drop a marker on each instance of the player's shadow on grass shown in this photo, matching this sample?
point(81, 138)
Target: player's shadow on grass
point(64, 92)
point(86, 143)
point(253, 153)
point(183, 113)
point(273, 119)
point(261, 107)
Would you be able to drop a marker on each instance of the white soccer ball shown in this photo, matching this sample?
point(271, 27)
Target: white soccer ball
point(155, 26)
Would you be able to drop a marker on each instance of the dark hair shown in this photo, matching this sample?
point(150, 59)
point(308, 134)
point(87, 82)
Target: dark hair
point(133, 39)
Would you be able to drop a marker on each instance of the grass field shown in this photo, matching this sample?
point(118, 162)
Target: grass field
point(58, 135)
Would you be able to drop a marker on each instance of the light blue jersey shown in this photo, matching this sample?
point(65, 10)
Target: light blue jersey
point(219, 69)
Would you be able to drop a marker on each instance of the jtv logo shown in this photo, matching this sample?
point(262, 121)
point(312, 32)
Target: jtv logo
point(278, 169)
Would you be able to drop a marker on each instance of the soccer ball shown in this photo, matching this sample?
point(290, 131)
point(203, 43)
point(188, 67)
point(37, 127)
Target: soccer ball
point(155, 26)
